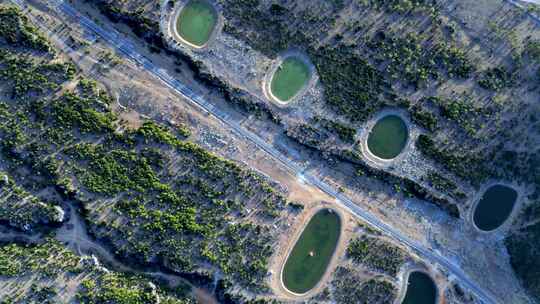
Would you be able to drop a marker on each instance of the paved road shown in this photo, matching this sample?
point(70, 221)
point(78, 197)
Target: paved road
point(126, 47)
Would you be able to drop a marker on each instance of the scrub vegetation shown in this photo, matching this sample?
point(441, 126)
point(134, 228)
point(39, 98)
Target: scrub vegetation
point(465, 166)
point(155, 198)
point(16, 32)
point(23, 211)
point(523, 248)
point(350, 288)
point(56, 275)
point(354, 87)
point(475, 96)
point(376, 254)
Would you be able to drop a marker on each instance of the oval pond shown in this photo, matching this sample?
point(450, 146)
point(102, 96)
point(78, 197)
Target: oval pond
point(308, 260)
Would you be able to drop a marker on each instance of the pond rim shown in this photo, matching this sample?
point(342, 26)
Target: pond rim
point(370, 124)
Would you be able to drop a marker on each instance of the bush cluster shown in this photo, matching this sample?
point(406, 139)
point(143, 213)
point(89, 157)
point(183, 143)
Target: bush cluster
point(376, 254)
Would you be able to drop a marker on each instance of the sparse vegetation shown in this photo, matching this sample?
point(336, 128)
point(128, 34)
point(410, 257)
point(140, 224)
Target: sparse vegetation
point(350, 288)
point(23, 211)
point(376, 254)
point(424, 118)
point(157, 199)
point(465, 166)
point(532, 48)
point(56, 275)
point(16, 31)
point(28, 77)
point(344, 132)
point(181, 207)
point(409, 60)
point(496, 79)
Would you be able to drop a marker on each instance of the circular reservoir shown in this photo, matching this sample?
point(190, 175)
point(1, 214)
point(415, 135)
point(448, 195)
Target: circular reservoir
point(494, 207)
point(388, 137)
point(308, 260)
point(420, 289)
point(196, 22)
point(290, 77)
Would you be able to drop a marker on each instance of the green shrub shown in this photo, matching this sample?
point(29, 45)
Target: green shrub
point(16, 31)
point(496, 79)
point(376, 254)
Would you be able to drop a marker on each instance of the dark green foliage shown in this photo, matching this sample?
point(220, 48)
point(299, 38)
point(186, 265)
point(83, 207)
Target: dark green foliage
point(532, 49)
point(276, 9)
point(523, 243)
point(113, 171)
point(180, 206)
point(86, 114)
point(16, 31)
point(351, 288)
point(114, 288)
point(39, 273)
point(410, 60)
point(337, 4)
point(153, 197)
point(296, 206)
point(399, 6)
point(307, 135)
point(407, 186)
point(25, 76)
point(522, 164)
point(453, 60)
point(142, 26)
point(496, 79)
point(352, 85)
point(151, 131)
point(344, 132)
point(523, 247)
point(21, 210)
point(171, 211)
point(45, 261)
point(460, 110)
point(376, 254)
point(440, 183)
point(444, 185)
point(259, 22)
point(424, 118)
point(468, 167)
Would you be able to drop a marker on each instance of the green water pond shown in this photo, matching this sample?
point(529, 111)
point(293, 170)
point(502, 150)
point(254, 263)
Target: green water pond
point(388, 137)
point(196, 22)
point(312, 253)
point(290, 77)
